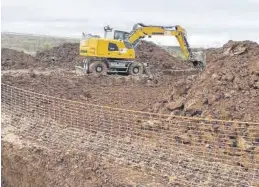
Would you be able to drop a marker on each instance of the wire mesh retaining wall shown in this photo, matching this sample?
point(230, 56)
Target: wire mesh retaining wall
point(183, 150)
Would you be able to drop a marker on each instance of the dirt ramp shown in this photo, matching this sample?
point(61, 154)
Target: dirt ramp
point(228, 88)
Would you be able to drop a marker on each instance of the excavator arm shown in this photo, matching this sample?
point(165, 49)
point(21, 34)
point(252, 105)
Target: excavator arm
point(140, 31)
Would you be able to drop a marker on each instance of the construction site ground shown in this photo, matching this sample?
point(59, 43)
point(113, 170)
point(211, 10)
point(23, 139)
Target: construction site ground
point(93, 143)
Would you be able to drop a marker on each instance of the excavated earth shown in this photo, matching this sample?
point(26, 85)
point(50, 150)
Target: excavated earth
point(52, 72)
point(116, 91)
point(227, 89)
point(12, 59)
point(66, 56)
point(158, 58)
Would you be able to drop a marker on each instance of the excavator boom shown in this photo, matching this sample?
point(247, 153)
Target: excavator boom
point(140, 31)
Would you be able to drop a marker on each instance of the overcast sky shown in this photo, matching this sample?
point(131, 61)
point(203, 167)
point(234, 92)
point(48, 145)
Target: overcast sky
point(207, 22)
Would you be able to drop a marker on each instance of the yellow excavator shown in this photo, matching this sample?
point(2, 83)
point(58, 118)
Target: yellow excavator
point(116, 52)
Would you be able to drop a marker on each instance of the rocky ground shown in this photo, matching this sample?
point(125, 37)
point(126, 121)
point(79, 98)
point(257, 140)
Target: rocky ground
point(227, 89)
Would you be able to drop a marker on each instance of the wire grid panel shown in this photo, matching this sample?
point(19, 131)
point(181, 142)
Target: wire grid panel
point(182, 150)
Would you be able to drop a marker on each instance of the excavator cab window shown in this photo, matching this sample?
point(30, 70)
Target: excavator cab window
point(120, 35)
point(113, 47)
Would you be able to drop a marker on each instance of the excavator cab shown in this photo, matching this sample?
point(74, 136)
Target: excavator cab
point(109, 33)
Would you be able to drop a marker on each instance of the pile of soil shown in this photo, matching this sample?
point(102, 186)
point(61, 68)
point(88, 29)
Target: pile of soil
point(12, 59)
point(157, 57)
point(63, 56)
point(66, 56)
point(227, 89)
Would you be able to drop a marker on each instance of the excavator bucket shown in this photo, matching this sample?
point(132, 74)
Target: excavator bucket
point(198, 60)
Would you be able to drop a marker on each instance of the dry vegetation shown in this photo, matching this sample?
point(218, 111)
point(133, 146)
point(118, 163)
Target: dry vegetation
point(32, 43)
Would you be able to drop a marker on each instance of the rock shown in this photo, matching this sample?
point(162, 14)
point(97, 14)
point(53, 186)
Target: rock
point(154, 125)
point(243, 144)
point(185, 139)
point(176, 105)
point(227, 95)
point(215, 76)
point(228, 77)
point(193, 107)
point(214, 98)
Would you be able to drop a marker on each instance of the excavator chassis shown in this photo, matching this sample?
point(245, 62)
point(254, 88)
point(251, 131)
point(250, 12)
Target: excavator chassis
point(104, 66)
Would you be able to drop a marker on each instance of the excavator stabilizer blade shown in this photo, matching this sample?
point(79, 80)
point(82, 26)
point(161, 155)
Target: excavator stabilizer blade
point(80, 71)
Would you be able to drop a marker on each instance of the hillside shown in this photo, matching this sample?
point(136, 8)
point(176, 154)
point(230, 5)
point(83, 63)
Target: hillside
point(30, 43)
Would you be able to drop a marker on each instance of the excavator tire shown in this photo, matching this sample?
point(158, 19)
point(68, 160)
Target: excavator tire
point(98, 67)
point(136, 69)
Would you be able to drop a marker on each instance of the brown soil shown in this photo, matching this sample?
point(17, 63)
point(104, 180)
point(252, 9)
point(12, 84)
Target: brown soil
point(40, 163)
point(66, 56)
point(227, 89)
point(43, 147)
point(63, 56)
point(52, 75)
point(158, 58)
point(112, 90)
point(12, 59)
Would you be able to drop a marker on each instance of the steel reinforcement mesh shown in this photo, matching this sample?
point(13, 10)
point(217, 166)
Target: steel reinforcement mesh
point(182, 150)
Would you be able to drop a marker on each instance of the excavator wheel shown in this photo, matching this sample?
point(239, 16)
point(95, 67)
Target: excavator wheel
point(136, 69)
point(98, 67)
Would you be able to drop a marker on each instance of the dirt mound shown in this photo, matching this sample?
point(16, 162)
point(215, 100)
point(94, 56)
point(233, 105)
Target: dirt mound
point(228, 88)
point(158, 58)
point(63, 56)
point(12, 59)
point(66, 56)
